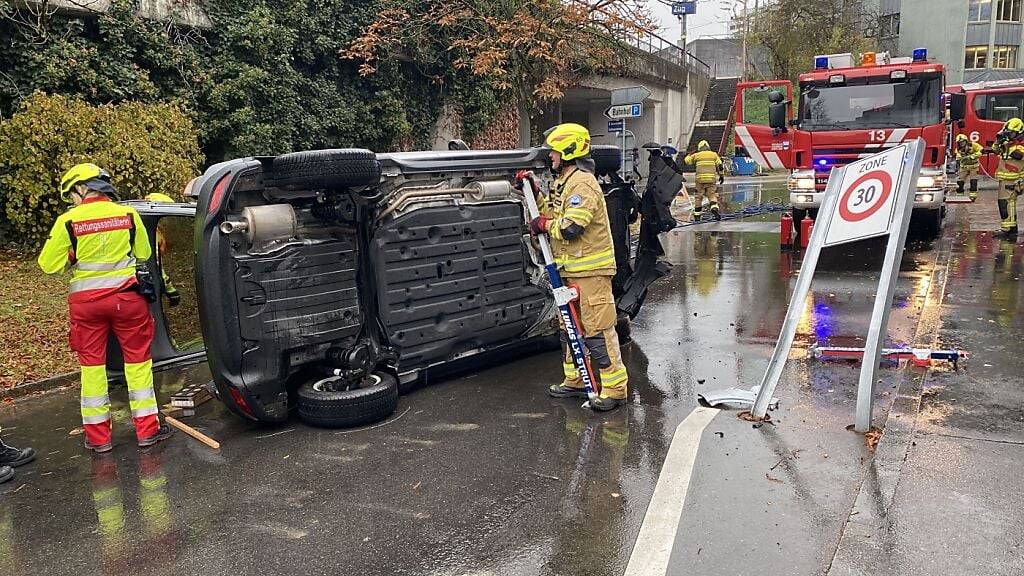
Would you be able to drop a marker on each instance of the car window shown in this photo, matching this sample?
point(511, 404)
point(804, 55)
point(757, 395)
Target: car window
point(1006, 106)
point(174, 242)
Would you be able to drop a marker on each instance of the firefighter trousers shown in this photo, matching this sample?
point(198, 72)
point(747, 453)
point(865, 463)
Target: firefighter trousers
point(1007, 200)
point(127, 315)
point(968, 172)
point(597, 314)
point(705, 189)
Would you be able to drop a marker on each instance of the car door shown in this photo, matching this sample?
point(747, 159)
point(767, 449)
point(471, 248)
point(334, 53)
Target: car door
point(772, 148)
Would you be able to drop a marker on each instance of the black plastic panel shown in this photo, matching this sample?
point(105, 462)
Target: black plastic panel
point(301, 297)
point(452, 279)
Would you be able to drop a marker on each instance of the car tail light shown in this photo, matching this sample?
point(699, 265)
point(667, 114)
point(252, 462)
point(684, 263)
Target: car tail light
point(218, 193)
point(240, 400)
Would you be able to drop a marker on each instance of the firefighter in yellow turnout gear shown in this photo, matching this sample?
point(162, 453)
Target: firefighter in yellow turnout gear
point(576, 220)
point(967, 155)
point(1009, 173)
point(709, 176)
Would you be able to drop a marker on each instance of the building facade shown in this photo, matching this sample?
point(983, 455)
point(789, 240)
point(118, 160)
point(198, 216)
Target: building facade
point(975, 39)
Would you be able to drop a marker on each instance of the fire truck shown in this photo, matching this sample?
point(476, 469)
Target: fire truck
point(847, 111)
point(979, 110)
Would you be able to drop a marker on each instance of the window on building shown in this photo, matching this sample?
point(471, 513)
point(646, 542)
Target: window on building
point(889, 26)
point(979, 10)
point(1008, 11)
point(975, 57)
point(1004, 56)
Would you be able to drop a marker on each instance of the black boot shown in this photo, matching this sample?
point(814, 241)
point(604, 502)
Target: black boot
point(959, 186)
point(11, 456)
point(6, 473)
point(715, 213)
point(162, 433)
point(603, 404)
point(563, 391)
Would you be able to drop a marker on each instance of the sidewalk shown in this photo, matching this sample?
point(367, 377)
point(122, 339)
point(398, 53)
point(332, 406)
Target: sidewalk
point(946, 492)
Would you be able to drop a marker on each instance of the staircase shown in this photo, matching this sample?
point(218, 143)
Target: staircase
point(714, 121)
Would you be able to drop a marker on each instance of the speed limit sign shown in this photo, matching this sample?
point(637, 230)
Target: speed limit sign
point(867, 198)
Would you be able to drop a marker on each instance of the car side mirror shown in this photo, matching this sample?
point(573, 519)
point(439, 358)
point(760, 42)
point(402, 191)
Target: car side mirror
point(777, 115)
point(957, 106)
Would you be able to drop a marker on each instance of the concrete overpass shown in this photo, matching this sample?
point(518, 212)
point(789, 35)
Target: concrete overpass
point(678, 83)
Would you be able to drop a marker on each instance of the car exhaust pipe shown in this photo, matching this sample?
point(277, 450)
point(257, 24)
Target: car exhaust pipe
point(233, 226)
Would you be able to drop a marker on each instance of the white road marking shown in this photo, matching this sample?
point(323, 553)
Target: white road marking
point(653, 547)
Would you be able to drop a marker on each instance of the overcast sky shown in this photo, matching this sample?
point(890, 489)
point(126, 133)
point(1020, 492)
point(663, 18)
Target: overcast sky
point(709, 20)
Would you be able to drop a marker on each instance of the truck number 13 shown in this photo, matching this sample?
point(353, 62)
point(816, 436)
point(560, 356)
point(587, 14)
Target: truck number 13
point(877, 135)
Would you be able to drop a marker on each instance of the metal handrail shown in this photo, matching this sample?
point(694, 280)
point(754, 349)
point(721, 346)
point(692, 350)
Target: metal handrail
point(665, 49)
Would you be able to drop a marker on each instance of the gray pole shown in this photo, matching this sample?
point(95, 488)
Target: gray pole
point(886, 289)
point(796, 308)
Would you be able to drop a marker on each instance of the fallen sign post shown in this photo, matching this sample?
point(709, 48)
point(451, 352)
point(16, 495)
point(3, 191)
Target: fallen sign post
point(871, 197)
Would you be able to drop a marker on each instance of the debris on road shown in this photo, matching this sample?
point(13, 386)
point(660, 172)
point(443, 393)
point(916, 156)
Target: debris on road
point(193, 433)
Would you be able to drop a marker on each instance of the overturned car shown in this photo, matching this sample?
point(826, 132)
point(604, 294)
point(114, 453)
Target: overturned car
point(328, 278)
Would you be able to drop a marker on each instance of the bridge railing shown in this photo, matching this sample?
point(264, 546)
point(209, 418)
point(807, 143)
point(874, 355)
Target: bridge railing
point(666, 49)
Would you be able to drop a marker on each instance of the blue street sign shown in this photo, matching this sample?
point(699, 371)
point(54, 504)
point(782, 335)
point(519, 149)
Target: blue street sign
point(616, 126)
point(684, 8)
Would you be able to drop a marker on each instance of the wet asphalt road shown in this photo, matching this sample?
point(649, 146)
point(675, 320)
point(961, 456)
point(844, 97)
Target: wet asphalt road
point(484, 474)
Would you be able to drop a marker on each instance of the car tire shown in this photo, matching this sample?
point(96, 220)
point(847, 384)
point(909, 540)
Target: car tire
point(348, 408)
point(607, 159)
point(336, 168)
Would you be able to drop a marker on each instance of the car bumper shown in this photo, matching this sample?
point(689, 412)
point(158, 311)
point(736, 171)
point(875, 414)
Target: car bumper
point(924, 199)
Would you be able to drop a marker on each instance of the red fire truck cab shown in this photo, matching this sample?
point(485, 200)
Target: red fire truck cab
point(983, 109)
point(845, 112)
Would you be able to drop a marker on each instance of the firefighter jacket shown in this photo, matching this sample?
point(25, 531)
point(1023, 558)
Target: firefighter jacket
point(576, 198)
point(707, 163)
point(99, 242)
point(1011, 161)
point(970, 156)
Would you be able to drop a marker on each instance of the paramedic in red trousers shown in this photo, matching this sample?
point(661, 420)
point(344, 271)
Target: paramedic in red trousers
point(575, 219)
point(99, 242)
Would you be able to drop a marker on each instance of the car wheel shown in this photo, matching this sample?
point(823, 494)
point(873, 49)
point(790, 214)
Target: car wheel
point(321, 405)
point(607, 159)
point(337, 168)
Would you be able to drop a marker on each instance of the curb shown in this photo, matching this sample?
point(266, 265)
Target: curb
point(52, 383)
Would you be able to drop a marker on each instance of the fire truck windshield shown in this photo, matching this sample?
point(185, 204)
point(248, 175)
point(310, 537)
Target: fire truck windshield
point(913, 103)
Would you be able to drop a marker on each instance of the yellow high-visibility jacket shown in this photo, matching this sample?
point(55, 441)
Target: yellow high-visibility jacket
point(99, 241)
point(576, 197)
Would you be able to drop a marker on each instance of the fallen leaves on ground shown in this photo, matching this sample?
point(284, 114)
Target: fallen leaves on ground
point(872, 437)
point(33, 322)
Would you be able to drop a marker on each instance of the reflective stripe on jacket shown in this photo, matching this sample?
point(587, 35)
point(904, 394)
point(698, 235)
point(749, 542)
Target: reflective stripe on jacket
point(576, 198)
point(99, 242)
point(970, 157)
point(1011, 162)
point(707, 162)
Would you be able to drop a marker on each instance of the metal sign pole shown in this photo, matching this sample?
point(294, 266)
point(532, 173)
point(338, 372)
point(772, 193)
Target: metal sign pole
point(887, 287)
point(796, 308)
point(622, 160)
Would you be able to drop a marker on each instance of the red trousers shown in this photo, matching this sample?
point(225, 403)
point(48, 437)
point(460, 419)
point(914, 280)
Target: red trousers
point(127, 315)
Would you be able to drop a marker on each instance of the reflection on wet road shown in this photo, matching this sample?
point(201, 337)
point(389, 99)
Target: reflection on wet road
point(484, 474)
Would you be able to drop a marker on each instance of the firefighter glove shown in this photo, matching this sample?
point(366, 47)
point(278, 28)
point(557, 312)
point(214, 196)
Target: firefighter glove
point(721, 179)
point(539, 225)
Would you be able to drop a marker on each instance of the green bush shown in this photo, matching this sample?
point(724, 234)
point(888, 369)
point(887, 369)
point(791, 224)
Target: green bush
point(145, 147)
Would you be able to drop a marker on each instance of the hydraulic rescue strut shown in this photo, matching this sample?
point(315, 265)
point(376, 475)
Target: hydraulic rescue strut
point(565, 296)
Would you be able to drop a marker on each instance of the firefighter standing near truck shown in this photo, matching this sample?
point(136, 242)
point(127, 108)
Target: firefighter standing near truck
point(99, 242)
point(575, 219)
point(967, 155)
point(1009, 148)
point(709, 176)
